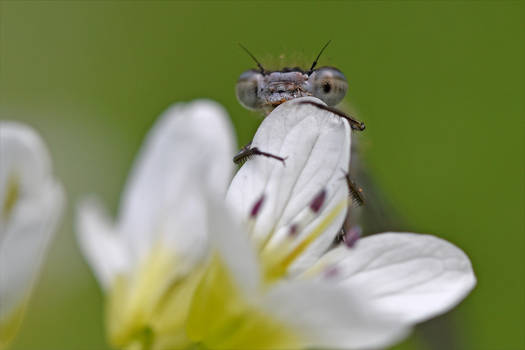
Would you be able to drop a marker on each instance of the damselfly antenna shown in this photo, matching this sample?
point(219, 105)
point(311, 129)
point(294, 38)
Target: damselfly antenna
point(261, 68)
point(320, 53)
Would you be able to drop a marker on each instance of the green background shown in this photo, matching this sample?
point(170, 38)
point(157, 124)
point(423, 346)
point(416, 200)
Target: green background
point(440, 86)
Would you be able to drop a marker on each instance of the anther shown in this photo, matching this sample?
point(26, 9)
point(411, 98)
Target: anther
point(257, 207)
point(318, 201)
point(351, 237)
point(294, 228)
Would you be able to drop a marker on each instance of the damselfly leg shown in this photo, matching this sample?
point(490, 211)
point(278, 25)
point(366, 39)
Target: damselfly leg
point(248, 152)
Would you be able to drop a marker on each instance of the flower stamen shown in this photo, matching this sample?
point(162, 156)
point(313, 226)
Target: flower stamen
point(303, 219)
point(283, 254)
point(323, 225)
point(352, 236)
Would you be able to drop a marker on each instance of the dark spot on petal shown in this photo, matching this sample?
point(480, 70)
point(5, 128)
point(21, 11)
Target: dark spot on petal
point(293, 230)
point(257, 207)
point(318, 201)
point(331, 272)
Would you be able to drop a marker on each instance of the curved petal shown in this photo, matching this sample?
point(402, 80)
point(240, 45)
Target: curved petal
point(326, 316)
point(32, 204)
point(26, 240)
point(187, 138)
point(24, 162)
point(101, 245)
point(234, 247)
point(316, 144)
point(412, 277)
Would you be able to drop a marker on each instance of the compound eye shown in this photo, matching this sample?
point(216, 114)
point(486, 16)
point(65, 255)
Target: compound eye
point(328, 84)
point(247, 89)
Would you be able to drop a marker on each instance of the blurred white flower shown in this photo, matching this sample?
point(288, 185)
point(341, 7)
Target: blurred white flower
point(150, 260)
point(31, 204)
point(185, 268)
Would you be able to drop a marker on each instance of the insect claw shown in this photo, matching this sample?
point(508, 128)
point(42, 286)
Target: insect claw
point(360, 126)
point(354, 123)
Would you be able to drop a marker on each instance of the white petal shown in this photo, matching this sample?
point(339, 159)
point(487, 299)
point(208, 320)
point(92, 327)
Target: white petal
point(317, 146)
point(326, 316)
point(102, 247)
point(191, 145)
point(318, 247)
point(234, 247)
point(412, 277)
point(23, 156)
point(29, 222)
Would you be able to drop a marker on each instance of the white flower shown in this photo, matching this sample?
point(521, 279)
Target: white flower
point(148, 262)
point(31, 204)
point(255, 271)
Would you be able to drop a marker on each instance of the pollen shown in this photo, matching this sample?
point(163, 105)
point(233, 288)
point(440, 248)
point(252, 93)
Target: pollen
point(146, 309)
point(221, 317)
point(12, 195)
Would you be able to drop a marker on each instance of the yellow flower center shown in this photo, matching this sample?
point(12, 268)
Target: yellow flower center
point(221, 318)
point(161, 307)
point(148, 309)
point(9, 325)
point(12, 194)
point(277, 260)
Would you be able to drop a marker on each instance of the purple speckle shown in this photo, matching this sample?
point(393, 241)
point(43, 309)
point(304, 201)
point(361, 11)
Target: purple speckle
point(318, 201)
point(257, 207)
point(351, 237)
point(331, 272)
point(293, 230)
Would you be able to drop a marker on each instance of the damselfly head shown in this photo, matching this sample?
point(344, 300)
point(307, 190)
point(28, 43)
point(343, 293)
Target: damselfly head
point(260, 89)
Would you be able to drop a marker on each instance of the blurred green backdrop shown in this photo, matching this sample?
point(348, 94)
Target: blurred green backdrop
point(440, 86)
